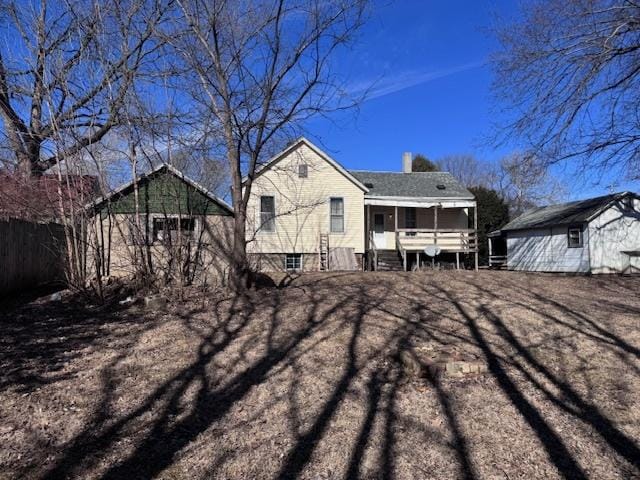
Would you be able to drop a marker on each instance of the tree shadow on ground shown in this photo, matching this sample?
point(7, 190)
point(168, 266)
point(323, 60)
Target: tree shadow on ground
point(41, 337)
point(243, 344)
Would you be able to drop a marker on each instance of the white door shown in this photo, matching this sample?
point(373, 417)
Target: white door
point(378, 231)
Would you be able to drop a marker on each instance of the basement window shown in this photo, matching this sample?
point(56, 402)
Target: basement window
point(574, 237)
point(293, 262)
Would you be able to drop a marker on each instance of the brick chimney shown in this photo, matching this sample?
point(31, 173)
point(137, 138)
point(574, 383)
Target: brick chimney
point(407, 160)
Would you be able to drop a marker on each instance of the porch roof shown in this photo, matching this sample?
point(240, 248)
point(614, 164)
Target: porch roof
point(419, 202)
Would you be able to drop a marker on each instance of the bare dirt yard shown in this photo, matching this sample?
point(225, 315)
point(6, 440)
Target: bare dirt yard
point(311, 381)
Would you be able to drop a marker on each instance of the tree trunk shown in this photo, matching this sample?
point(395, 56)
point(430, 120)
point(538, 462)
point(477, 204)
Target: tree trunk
point(240, 271)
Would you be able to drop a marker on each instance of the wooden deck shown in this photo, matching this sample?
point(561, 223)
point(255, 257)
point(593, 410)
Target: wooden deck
point(415, 240)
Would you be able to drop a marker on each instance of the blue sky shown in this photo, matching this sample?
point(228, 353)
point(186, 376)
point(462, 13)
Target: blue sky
point(427, 62)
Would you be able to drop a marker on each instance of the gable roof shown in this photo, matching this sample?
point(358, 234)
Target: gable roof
point(163, 167)
point(414, 184)
point(303, 141)
point(580, 211)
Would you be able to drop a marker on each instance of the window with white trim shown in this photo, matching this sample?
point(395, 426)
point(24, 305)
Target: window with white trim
point(303, 170)
point(293, 262)
point(337, 215)
point(574, 237)
point(168, 228)
point(267, 213)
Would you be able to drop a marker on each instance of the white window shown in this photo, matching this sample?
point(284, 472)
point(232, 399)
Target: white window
point(268, 213)
point(293, 261)
point(574, 237)
point(337, 215)
point(303, 170)
point(167, 228)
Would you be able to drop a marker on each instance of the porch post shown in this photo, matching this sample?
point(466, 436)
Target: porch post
point(457, 260)
point(366, 228)
point(395, 218)
point(475, 231)
point(435, 224)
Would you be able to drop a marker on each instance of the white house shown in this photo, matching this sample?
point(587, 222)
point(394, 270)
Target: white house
point(596, 235)
point(308, 212)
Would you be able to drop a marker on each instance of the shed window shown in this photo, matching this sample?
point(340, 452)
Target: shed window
point(337, 215)
point(574, 237)
point(303, 170)
point(166, 229)
point(268, 213)
point(293, 261)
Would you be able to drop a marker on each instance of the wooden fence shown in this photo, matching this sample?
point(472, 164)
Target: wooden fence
point(31, 254)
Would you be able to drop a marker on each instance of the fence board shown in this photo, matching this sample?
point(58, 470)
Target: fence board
point(31, 254)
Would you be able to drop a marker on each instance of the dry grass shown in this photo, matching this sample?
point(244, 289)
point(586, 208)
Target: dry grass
point(305, 382)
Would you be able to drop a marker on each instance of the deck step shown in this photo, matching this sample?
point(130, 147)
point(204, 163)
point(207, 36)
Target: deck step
point(389, 261)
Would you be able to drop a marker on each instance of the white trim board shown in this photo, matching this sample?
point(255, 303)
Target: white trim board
point(419, 202)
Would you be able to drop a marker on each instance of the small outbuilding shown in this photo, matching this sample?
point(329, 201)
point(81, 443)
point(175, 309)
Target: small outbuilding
point(163, 225)
point(596, 235)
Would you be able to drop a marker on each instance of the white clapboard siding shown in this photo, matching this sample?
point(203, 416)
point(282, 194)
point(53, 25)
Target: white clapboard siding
point(302, 206)
point(613, 232)
point(546, 250)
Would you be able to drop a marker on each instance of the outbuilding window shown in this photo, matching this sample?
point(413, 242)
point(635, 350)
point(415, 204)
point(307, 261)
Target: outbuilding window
point(268, 213)
point(167, 228)
point(574, 237)
point(337, 215)
point(293, 262)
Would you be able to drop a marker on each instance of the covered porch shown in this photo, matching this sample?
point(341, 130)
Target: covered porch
point(408, 226)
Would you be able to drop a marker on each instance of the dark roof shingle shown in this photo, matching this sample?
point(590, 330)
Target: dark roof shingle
point(564, 213)
point(415, 184)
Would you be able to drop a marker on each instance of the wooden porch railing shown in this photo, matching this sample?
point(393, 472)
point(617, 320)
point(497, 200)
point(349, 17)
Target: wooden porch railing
point(497, 261)
point(452, 240)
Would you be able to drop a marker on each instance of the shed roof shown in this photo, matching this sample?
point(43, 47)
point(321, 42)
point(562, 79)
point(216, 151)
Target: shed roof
point(414, 184)
point(580, 211)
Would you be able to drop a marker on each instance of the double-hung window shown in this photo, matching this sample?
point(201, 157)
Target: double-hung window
point(337, 215)
point(574, 237)
point(268, 213)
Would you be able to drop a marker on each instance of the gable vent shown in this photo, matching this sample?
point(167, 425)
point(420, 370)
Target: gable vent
point(440, 186)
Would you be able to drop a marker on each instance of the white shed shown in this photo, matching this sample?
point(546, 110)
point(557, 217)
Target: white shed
point(596, 235)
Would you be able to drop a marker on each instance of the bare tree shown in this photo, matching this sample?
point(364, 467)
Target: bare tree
point(569, 72)
point(66, 69)
point(468, 170)
point(261, 68)
point(525, 182)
